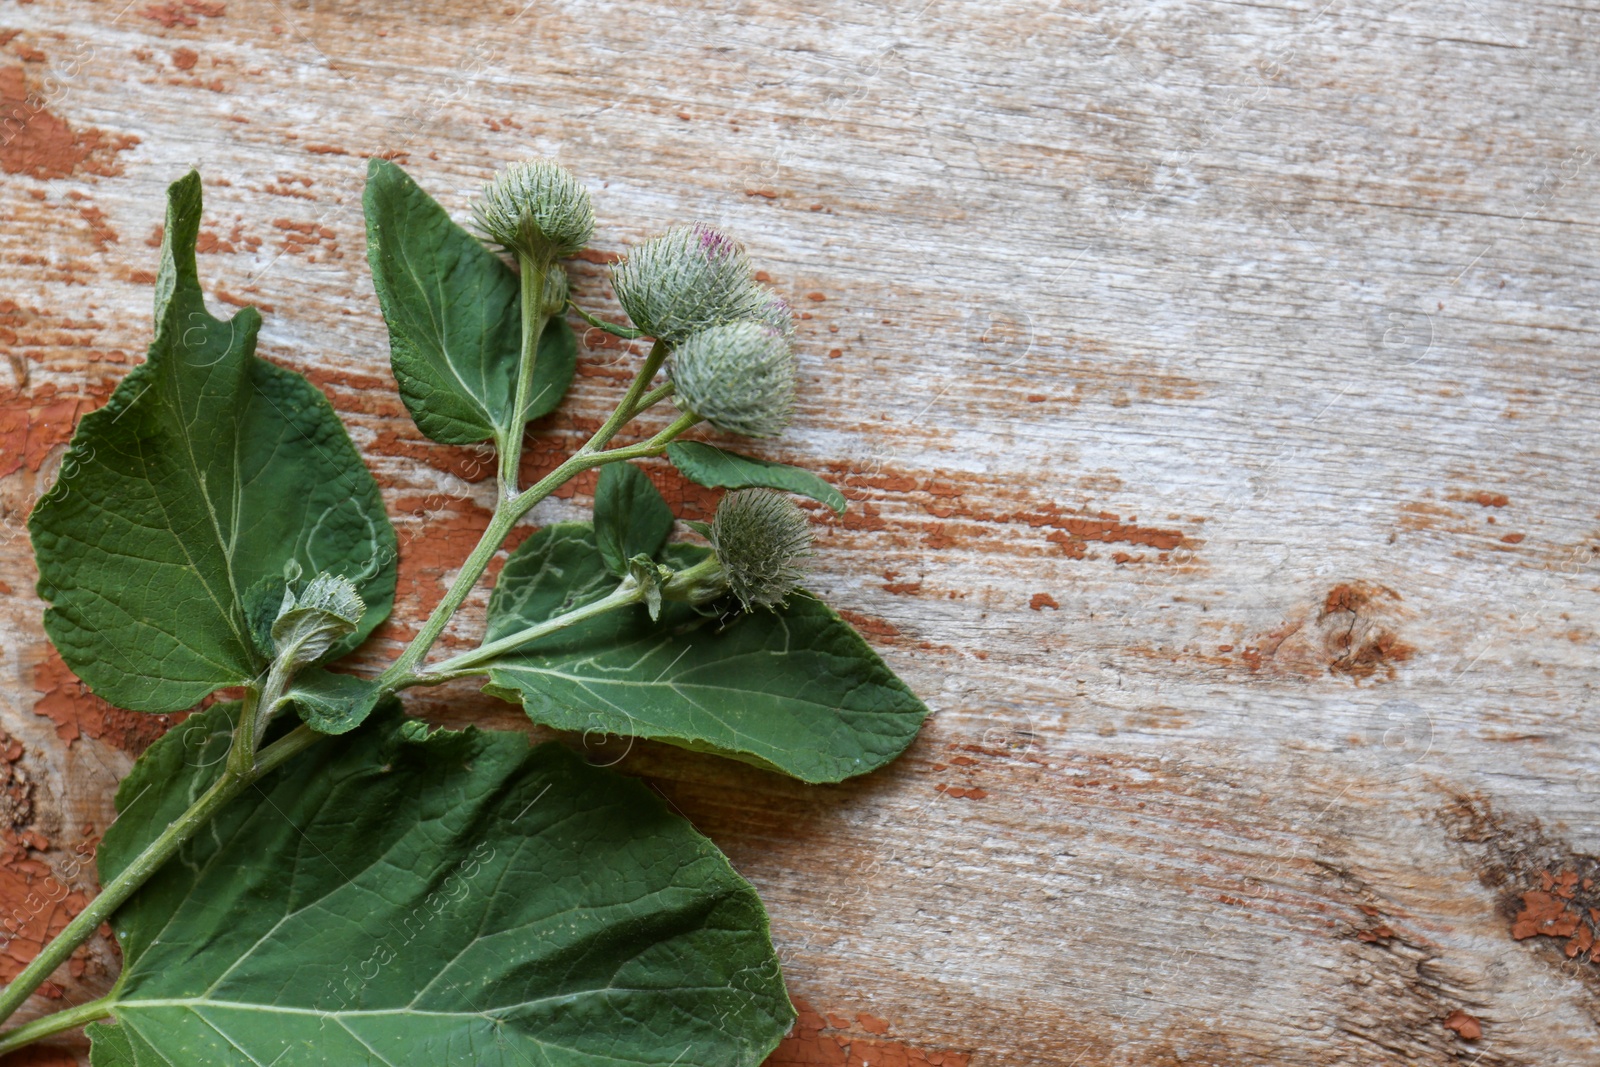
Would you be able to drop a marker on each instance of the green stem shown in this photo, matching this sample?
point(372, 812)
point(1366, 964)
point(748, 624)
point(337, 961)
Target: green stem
point(533, 320)
point(510, 510)
point(697, 584)
point(473, 662)
point(507, 513)
point(55, 1023)
point(403, 671)
point(627, 333)
point(284, 749)
point(654, 397)
point(242, 754)
point(120, 888)
point(691, 585)
point(657, 444)
point(499, 526)
point(633, 402)
point(260, 705)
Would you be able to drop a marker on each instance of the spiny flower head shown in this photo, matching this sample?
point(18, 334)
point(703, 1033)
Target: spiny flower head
point(760, 537)
point(689, 278)
point(740, 377)
point(776, 314)
point(537, 209)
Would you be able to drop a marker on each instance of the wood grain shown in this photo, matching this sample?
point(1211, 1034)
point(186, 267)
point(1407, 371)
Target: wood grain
point(1215, 387)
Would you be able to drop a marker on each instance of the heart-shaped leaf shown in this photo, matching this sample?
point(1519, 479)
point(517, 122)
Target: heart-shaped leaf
point(455, 318)
point(395, 898)
point(180, 504)
point(796, 690)
point(717, 468)
point(630, 518)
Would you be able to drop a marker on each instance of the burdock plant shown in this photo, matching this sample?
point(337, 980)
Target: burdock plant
point(690, 278)
point(760, 539)
point(304, 875)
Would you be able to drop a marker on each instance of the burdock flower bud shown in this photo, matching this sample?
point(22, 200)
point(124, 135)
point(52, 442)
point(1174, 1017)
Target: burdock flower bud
point(536, 209)
point(760, 537)
point(555, 291)
point(777, 314)
point(327, 611)
point(689, 278)
point(739, 377)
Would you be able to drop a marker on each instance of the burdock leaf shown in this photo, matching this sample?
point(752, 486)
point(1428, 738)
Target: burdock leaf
point(795, 690)
point(181, 503)
point(717, 468)
point(455, 319)
point(404, 898)
point(630, 518)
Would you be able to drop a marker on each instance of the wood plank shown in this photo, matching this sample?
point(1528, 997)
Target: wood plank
point(1215, 388)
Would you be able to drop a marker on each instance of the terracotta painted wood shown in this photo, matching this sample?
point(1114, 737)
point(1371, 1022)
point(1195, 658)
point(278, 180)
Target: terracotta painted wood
point(1215, 386)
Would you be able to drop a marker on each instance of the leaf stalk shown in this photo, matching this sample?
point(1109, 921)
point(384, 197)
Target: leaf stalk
point(55, 1023)
point(510, 510)
point(246, 765)
point(481, 658)
point(627, 333)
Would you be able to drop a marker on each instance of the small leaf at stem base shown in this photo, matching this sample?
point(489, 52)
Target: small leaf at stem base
point(332, 703)
point(717, 468)
point(630, 517)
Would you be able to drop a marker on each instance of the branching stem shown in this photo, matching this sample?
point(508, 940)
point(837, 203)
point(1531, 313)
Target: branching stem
point(510, 510)
point(246, 765)
point(478, 660)
point(137, 872)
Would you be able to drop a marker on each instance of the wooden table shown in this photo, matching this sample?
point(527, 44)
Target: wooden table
point(1215, 386)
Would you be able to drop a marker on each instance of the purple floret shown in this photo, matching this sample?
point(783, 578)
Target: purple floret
point(714, 244)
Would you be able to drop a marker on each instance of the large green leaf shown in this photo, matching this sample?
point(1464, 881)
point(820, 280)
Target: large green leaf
point(795, 690)
point(718, 468)
point(111, 1046)
point(455, 320)
point(393, 898)
point(163, 546)
point(630, 518)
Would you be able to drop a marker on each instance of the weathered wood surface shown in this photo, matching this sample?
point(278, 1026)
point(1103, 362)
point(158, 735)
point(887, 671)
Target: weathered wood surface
point(1215, 385)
